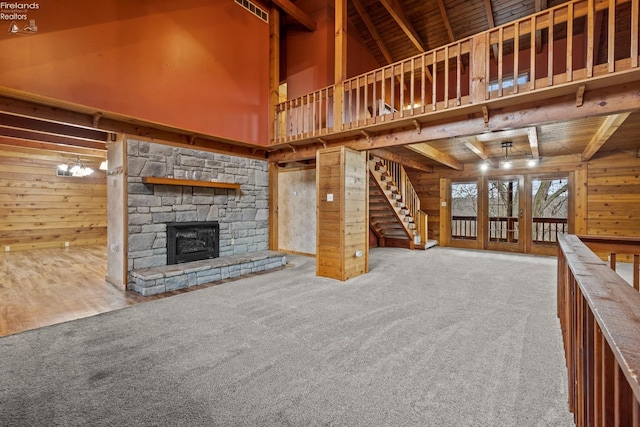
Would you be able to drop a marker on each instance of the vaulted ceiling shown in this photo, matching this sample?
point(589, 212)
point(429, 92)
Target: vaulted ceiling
point(397, 29)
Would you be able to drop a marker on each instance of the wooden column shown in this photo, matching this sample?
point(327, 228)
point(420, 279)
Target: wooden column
point(273, 207)
point(342, 248)
point(274, 68)
point(340, 66)
point(117, 209)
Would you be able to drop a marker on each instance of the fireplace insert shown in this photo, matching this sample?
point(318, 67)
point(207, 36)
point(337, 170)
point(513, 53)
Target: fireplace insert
point(192, 241)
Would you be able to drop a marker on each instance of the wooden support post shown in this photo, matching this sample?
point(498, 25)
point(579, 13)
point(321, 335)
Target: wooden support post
point(340, 69)
point(274, 69)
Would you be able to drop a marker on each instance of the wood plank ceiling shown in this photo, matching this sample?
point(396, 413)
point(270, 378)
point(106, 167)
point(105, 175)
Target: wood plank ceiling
point(397, 29)
point(394, 30)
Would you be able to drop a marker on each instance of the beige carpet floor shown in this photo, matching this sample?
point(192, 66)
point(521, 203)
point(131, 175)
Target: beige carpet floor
point(442, 337)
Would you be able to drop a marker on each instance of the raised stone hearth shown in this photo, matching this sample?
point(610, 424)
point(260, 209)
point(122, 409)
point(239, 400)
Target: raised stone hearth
point(156, 280)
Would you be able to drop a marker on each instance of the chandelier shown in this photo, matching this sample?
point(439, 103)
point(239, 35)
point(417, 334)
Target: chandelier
point(76, 168)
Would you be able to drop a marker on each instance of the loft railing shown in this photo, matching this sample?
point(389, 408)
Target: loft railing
point(558, 46)
point(599, 315)
point(611, 247)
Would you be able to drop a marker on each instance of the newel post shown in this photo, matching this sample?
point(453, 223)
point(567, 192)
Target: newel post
point(479, 68)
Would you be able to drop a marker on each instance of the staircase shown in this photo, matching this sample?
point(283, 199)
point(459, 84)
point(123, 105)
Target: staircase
point(394, 207)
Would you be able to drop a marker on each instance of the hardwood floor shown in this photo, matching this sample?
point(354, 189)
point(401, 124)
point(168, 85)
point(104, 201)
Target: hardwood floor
point(47, 286)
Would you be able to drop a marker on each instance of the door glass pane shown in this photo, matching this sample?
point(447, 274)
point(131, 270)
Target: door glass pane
point(464, 210)
point(503, 210)
point(550, 209)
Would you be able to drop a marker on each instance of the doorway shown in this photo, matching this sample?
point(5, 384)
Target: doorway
point(519, 213)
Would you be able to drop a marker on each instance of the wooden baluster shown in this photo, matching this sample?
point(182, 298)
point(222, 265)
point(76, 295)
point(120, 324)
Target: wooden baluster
point(423, 84)
point(412, 85)
point(435, 73)
point(611, 36)
point(608, 400)
point(532, 63)
point(459, 75)
point(516, 55)
point(393, 85)
point(635, 13)
point(598, 380)
point(569, 57)
point(402, 89)
point(612, 261)
point(446, 76)
point(499, 60)
point(550, 50)
point(591, 31)
point(636, 272)
point(358, 106)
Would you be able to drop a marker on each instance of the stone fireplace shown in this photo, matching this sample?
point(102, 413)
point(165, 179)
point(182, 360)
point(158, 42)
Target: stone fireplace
point(192, 241)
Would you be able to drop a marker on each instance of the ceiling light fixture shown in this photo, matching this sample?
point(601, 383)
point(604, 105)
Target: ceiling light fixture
point(506, 163)
point(76, 168)
point(532, 162)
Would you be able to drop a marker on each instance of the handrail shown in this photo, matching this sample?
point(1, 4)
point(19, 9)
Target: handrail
point(487, 66)
point(407, 191)
point(599, 313)
point(613, 246)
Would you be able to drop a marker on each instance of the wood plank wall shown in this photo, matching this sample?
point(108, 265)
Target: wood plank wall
point(342, 213)
point(329, 236)
point(39, 209)
point(611, 206)
point(613, 197)
point(356, 214)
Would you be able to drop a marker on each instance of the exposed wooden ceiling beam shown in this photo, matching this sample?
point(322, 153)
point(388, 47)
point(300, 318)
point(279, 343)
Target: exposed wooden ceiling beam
point(394, 157)
point(296, 13)
point(489, 10)
point(433, 154)
point(445, 20)
point(476, 146)
point(372, 30)
point(479, 150)
point(540, 5)
point(492, 23)
point(396, 11)
point(51, 128)
point(58, 148)
point(532, 132)
point(610, 125)
point(22, 134)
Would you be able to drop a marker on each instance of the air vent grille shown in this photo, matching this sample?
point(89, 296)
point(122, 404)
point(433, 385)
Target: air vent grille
point(256, 10)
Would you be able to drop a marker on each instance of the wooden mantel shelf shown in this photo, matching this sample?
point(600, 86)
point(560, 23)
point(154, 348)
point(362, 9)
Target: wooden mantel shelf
point(188, 182)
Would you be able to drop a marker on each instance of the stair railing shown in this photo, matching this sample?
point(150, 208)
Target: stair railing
point(409, 196)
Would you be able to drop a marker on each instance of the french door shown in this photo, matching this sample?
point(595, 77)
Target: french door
point(520, 213)
point(505, 217)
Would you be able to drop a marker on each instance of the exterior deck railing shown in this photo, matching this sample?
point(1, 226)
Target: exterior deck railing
point(504, 229)
point(527, 55)
point(599, 315)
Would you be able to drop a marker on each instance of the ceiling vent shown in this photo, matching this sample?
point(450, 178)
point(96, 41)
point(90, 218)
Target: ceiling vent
point(256, 10)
